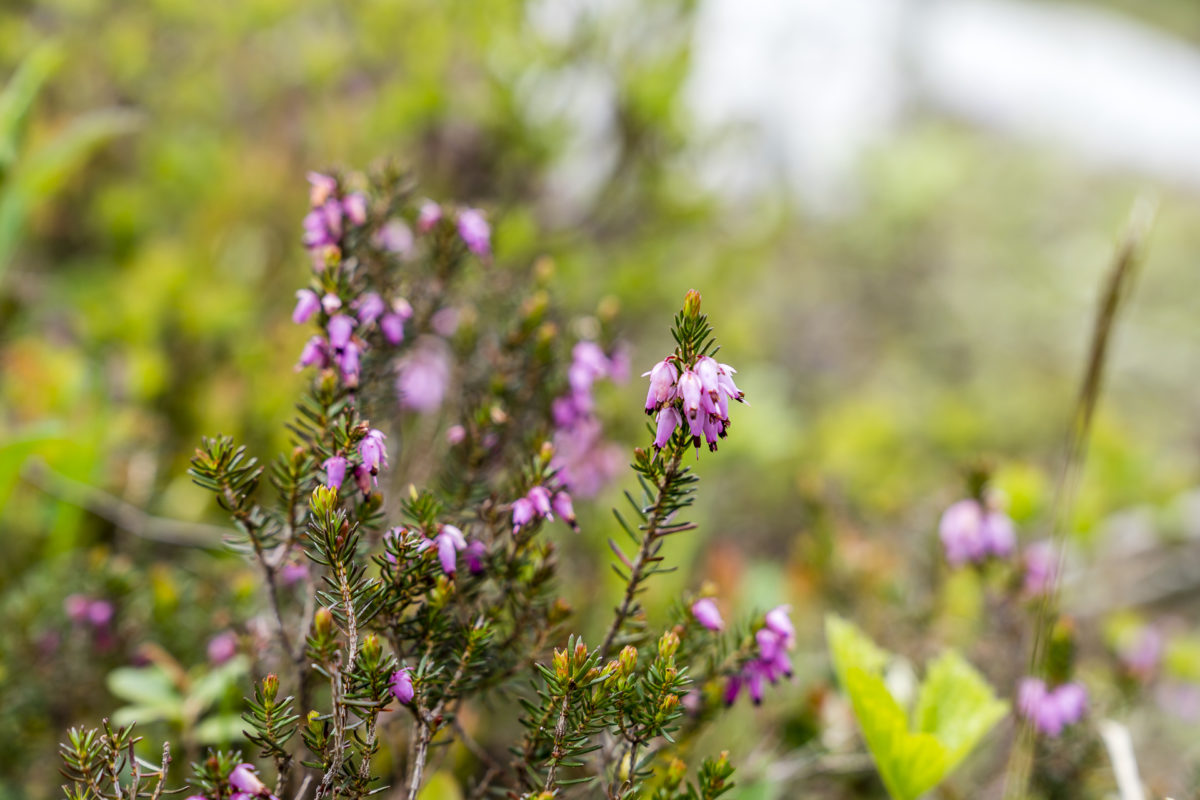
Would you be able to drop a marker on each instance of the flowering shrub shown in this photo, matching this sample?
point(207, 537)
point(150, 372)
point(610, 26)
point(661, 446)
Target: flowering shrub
point(409, 556)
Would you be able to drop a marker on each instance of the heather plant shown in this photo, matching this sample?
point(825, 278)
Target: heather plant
point(410, 572)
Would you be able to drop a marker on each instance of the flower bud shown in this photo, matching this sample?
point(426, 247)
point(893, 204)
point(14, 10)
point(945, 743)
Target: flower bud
point(370, 650)
point(323, 622)
point(580, 653)
point(628, 659)
point(561, 668)
point(669, 704)
point(676, 771)
point(270, 687)
point(691, 303)
point(668, 644)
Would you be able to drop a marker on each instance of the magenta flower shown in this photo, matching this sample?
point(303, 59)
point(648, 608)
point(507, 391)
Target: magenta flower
point(588, 363)
point(771, 663)
point(293, 573)
point(76, 606)
point(1041, 568)
point(402, 685)
point(1142, 653)
point(523, 512)
point(323, 188)
point(706, 613)
point(341, 327)
point(330, 302)
point(780, 624)
point(355, 207)
point(1051, 710)
point(971, 534)
point(429, 215)
point(445, 322)
point(540, 497)
point(476, 553)
point(373, 452)
point(725, 375)
point(475, 231)
point(455, 434)
point(244, 779)
point(707, 370)
point(335, 471)
point(370, 307)
point(586, 462)
point(222, 647)
point(392, 326)
point(565, 508)
point(668, 421)
point(313, 353)
point(348, 363)
point(307, 304)
point(689, 389)
point(423, 378)
point(662, 385)
point(449, 541)
point(395, 237)
point(323, 225)
point(100, 613)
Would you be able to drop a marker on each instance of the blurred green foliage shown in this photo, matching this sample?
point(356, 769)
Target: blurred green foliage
point(152, 166)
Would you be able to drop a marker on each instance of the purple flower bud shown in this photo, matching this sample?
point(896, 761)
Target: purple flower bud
point(475, 231)
point(340, 329)
point(307, 304)
point(476, 553)
point(565, 508)
point(961, 532)
point(706, 613)
point(455, 434)
point(244, 779)
point(392, 326)
point(523, 513)
point(402, 685)
point(293, 573)
point(725, 375)
point(222, 647)
point(732, 689)
point(99, 613)
point(323, 188)
point(423, 378)
point(355, 206)
point(445, 322)
point(395, 237)
point(313, 353)
point(662, 385)
point(429, 215)
point(348, 363)
point(372, 451)
point(689, 389)
point(540, 497)
point(707, 371)
point(779, 623)
point(370, 307)
point(1041, 566)
point(449, 541)
point(668, 421)
point(1051, 710)
point(363, 479)
point(335, 471)
point(76, 606)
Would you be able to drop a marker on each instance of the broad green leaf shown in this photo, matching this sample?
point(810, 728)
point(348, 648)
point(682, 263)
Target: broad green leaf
point(957, 706)
point(220, 729)
point(210, 687)
point(147, 688)
point(955, 709)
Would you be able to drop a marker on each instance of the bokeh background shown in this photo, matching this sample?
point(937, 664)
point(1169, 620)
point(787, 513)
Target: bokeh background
point(899, 213)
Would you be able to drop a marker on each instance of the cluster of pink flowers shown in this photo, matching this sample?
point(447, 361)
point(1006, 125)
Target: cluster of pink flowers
point(697, 397)
point(423, 376)
point(585, 460)
point(96, 614)
point(372, 457)
point(1051, 710)
point(772, 661)
point(343, 343)
point(972, 533)
point(222, 647)
point(328, 214)
point(540, 503)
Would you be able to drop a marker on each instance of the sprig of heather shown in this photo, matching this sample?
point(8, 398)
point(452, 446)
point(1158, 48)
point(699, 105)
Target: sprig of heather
point(690, 392)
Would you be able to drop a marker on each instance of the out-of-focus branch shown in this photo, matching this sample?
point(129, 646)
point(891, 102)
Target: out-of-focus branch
point(120, 513)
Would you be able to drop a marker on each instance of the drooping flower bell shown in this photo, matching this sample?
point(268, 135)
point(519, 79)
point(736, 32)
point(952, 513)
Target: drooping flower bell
point(402, 685)
point(706, 613)
point(475, 232)
point(662, 385)
point(307, 304)
point(335, 471)
point(373, 452)
point(449, 541)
